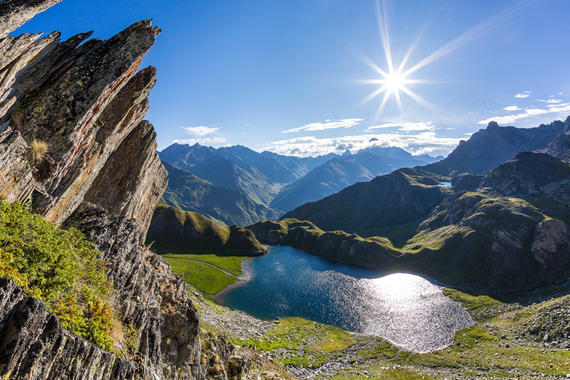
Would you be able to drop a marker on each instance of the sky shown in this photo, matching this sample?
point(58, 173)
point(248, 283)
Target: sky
point(296, 76)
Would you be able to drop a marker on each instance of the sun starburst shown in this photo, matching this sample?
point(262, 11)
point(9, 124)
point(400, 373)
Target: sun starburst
point(396, 80)
point(392, 81)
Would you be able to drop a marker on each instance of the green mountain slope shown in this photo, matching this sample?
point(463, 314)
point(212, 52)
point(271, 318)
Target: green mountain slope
point(392, 204)
point(175, 231)
point(189, 192)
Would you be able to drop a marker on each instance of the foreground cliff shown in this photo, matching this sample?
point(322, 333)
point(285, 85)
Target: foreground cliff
point(75, 148)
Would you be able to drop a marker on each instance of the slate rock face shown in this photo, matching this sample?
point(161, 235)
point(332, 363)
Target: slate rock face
point(85, 102)
point(560, 146)
point(531, 173)
point(15, 13)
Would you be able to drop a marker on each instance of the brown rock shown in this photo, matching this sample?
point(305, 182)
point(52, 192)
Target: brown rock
point(133, 179)
point(15, 13)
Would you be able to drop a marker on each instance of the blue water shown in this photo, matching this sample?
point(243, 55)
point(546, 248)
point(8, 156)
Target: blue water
point(404, 308)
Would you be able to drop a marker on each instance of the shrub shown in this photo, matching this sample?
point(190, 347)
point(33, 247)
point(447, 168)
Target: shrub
point(38, 149)
point(60, 268)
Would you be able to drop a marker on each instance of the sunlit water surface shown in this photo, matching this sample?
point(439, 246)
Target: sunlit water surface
point(406, 309)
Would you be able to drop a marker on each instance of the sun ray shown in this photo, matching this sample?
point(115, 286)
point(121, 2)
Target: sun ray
point(467, 36)
point(391, 81)
point(373, 95)
point(418, 98)
point(382, 20)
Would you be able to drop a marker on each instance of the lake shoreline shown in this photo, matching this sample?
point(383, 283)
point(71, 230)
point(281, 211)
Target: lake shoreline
point(292, 286)
point(242, 279)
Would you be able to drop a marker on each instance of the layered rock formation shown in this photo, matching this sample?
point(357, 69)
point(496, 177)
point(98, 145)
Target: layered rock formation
point(83, 102)
point(73, 141)
point(531, 174)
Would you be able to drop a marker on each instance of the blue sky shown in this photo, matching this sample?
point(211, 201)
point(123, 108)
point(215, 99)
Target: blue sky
point(287, 76)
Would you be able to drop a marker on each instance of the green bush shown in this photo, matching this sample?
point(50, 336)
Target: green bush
point(60, 268)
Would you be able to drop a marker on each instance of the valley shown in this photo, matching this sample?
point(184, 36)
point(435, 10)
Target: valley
point(120, 261)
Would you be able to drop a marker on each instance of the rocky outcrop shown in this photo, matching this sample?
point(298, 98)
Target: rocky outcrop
point(74, 142)
point(560, 146)
point(83, 102)
point(16, 173)
point(531, 174)
point(82, 90)
point(133, 179)
point(150, 297)
point(34, 346)
point(15, 13)
point(176, 231)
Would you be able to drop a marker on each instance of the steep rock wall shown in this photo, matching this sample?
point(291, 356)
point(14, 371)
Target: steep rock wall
point(86, 100)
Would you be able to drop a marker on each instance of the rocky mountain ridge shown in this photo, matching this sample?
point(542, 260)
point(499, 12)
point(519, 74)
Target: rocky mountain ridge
point(75, 147)
point(278, 183)
point(490, 147)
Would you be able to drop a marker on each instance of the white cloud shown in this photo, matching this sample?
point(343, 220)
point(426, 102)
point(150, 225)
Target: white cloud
point(528, 112)
point(200, 130)
point(328, 124)
point(550, 100)
point(512, 108)
point(417, 143)
point(209, 141)
point(406, 126)
point(524, 94)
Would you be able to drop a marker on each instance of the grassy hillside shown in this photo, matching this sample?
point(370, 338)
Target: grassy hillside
point(391, 201)
point(61, 269)
point(189, 192)
point(176, 231)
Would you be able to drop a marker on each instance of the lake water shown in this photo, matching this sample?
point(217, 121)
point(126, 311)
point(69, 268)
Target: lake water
point(405, 309)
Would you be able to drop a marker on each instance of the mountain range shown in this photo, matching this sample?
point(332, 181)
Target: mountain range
point(237, 185)
point(490, 147)
point(509, 234)
point(394, 205)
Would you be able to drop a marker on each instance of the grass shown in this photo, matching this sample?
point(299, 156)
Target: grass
point(383, 373)
point(38, 149)
point(477, 348)
point(203, 277)
point(60, 268)
point(480, 307)
point(231, 264)
point(302, 343)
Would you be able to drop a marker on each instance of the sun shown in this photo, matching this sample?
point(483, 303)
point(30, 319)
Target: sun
point(396, 79)
point(393, 82)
